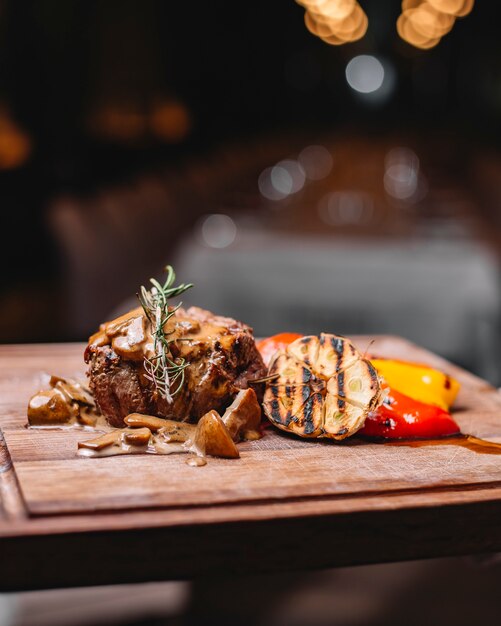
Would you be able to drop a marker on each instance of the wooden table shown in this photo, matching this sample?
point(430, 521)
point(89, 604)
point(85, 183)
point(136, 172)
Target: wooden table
point(449, 505)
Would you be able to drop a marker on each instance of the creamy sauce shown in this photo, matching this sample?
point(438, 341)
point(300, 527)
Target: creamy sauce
point(130, 335)
point(196, 461)
point(175, 438)
point(120, 448)
point(147, 434)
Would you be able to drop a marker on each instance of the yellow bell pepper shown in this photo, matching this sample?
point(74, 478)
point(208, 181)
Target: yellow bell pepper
point(419, 382)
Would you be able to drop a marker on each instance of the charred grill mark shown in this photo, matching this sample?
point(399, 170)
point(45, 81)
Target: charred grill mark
point(289, 416)
point(305, 393)
point(373, 375)
point(306, 375)
point(307, 411)
point(276, 414)
point(305, 340)
point(275, 411)
point(305, 416)
point(338, 345)
point(288, 406)
point(340, 391)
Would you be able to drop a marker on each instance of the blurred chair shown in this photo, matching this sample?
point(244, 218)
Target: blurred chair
point(109, 244)
point(112, 241)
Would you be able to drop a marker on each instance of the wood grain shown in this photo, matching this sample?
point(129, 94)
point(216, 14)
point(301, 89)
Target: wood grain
point(53, 480)
point(11, 504)
point(376, 502)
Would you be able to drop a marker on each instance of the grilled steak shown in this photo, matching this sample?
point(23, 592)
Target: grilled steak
point(220, 352)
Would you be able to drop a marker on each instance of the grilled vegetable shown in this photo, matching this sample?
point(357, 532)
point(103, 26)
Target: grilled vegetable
point(420, 382)
point(323, 388)
point(401, 417)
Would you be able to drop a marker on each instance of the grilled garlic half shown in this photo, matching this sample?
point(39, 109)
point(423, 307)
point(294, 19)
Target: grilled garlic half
point(323, 387)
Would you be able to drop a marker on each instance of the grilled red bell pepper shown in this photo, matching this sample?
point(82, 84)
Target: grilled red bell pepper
point(401, 417)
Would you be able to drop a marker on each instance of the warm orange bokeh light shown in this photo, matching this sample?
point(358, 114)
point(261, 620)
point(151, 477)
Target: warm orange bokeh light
point(335, 21)
point(411, 4)
point(118, 122)
point(424, 22)
point(457, 8)
point(334, 9)
point(408, 33)
point(430, 22)
point(167, 119)
point(15, 144)
point(170, 121)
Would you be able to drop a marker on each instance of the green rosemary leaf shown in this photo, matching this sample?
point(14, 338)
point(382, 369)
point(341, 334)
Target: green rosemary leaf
point(162, 369)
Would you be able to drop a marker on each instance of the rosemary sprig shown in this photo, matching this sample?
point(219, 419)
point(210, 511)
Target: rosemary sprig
point(165, 372)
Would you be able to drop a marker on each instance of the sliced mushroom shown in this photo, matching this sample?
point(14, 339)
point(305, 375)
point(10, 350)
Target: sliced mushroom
point(137, 436)
point(87, 418)
point(104, 441)
point(51, 407)
point(138, 420)
point(178, 432)
point(243, 417)
point(73, 390)
point(213, 438)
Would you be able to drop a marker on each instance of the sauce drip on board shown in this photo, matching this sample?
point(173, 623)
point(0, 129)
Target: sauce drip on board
point(474, 444)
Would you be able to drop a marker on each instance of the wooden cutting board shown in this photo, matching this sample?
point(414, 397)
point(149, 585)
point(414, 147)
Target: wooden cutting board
point(53, 480)
point(286, 504)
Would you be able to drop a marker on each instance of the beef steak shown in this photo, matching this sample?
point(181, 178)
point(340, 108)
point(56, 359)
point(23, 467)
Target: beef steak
point(220, 352)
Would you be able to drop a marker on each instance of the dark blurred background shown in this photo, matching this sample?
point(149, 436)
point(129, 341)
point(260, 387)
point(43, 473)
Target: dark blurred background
point(301, 186)
point(228, 139)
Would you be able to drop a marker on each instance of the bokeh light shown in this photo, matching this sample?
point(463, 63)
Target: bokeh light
point(121, 122)
point(336, 22)
point(423, 23)
point(316, 162)
point(283, 179)
point(218, 230)
point(288, 170)
point(401, 177)
point(15, 143)
point(170, 121)
point(266, 187)
point(365, 73)
point(343, 208)
point(458, 8)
